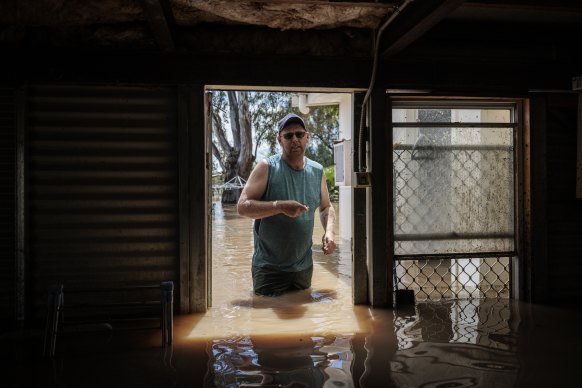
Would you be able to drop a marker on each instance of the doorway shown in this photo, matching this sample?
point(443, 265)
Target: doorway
point(329, 118)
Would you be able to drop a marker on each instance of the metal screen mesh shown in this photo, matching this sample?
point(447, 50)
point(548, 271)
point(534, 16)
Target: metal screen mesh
point(453, 202)
point(453, 199)
point(435, 279)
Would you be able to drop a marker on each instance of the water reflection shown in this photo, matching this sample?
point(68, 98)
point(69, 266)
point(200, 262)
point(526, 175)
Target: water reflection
point(232, 249)
point(456, 344)
point(301, 338)
point(318, 361)
point(325, 307)
point(317, 338)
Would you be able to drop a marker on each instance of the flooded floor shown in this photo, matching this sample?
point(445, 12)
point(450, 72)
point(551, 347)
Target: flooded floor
point(326, 307)
point(313, 338)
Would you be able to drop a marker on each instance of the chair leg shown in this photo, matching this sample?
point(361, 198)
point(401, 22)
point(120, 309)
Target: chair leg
point(55, 299)
point(167, 312)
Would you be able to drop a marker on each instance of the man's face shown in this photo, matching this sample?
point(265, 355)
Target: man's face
point(293, 138)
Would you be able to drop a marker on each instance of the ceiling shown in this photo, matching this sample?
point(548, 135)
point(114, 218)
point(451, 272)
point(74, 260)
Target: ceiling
point(268, 27)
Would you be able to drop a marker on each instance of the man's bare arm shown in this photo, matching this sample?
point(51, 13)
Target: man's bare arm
point(327, 217)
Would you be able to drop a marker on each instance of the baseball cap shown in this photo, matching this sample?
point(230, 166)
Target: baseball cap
point(290, 118)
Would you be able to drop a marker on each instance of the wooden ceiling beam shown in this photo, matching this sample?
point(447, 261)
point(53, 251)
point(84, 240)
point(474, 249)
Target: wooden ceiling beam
point(413, 22)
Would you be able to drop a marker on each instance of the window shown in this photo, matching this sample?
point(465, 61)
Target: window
point(453, 193)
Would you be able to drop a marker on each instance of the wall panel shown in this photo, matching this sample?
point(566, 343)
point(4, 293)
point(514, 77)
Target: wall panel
point(7, 205)
point(564, 214)
point(103, 190)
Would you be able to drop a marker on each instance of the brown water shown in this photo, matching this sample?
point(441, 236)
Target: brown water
point(317, 338)
point(301, 337)
point(241, 312)
point(313, 338)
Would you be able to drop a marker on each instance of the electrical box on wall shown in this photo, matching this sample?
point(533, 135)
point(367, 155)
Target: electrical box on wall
point(362, 179)
point(342, 158)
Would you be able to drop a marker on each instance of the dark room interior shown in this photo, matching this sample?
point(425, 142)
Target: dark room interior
point(105, 193)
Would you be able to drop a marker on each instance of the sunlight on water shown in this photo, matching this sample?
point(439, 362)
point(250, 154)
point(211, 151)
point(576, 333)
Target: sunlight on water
point(317, 361)
point(302, 337)
point(317, 338)
point(325, 308)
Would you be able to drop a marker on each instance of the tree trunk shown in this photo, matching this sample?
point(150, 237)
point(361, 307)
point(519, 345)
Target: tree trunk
point(238, 157)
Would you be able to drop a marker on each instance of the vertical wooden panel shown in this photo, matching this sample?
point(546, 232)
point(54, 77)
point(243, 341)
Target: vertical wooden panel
point(579, 150)
point(103, 192)
point(359, 241)
point(390, 206)
point(7, 205)
point(380, 195)
point(22, 245)
point(184, 196)
point(564, 210)
point(537, 280)
point(521, 262)
point(208, 193)
point(198, 202)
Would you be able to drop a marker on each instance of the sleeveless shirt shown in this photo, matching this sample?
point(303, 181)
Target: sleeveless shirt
point(281, 242)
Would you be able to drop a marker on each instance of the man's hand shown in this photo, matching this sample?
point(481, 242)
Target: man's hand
point(328, 243)
point(291, 208)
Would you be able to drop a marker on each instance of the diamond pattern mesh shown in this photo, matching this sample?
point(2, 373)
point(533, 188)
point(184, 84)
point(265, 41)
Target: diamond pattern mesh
point(453, 199)
point(453, 203)
point(436, 279)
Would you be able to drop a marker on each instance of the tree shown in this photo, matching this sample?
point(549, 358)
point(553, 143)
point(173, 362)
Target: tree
point(323, 124)
point(238, 117)
point(245, 114)
point(267, 108)
point(233, 149)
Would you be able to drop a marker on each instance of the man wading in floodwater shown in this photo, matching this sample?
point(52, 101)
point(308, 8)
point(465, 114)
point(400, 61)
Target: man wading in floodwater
point(282, 194)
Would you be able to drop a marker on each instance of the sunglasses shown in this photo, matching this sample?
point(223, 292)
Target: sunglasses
point(298, 134)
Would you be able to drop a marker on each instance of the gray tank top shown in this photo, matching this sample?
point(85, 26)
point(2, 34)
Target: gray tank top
point(281, 242)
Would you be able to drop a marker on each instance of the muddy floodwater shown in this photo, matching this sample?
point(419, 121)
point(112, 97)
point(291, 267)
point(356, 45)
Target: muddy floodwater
point(312, 338)
point(301, 337)
point(318, 338)
point(232, 296)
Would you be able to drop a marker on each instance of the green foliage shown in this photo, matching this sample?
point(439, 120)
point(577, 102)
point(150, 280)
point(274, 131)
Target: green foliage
point(323, 124)
point(266, 109)
point(330, 180)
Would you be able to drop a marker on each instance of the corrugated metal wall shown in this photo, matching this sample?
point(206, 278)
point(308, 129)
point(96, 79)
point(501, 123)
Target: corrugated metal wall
point(564, 212)
point(7, 205)
point(103, 189)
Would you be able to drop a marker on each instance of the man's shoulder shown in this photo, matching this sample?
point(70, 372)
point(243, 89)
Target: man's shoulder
point(315, 165)
point(273, 159)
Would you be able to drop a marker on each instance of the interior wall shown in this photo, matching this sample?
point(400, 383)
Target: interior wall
point(7, 205)
point(102, 193)
point(564, 218)
point(564, 210)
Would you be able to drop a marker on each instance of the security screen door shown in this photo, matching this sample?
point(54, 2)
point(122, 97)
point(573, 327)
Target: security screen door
point(454, 198)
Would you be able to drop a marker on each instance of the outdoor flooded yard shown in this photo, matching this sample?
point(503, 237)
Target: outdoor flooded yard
point(326, 307)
